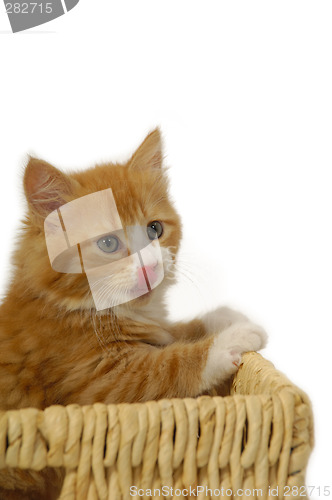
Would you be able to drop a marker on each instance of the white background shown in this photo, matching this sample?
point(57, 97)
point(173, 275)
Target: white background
point(242, 92)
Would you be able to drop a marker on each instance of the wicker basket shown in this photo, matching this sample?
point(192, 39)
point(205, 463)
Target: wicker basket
point(257, 440)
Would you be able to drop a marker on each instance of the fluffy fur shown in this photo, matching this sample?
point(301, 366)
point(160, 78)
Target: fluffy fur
point(56, 349)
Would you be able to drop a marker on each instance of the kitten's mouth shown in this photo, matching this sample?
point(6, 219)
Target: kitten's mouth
point(147, 277)
point(145, 296)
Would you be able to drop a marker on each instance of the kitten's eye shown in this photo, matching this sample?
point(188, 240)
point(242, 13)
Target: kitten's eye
point(154, 230)
point(108, 243)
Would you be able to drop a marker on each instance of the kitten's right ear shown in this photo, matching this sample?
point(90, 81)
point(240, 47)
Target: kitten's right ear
point(46, 188)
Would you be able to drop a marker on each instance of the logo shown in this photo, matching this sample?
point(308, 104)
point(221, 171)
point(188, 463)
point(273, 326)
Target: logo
point(26, 14)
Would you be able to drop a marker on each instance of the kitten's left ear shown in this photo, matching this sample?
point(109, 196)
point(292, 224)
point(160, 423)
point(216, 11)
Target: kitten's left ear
point(149, 153)
point(46, 188)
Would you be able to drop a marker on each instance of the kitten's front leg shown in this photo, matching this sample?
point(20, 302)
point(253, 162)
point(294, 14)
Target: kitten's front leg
point(187, 330)
point(135, 371)
point(221, 318)
point(212, 322)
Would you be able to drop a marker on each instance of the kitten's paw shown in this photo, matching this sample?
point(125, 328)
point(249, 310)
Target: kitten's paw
point(243, 337)
point(229, 361)
point(220, 365)
point(224, 356)
point(235, 358)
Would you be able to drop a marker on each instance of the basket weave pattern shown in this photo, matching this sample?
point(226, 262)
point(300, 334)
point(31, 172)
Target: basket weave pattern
point(259, 437)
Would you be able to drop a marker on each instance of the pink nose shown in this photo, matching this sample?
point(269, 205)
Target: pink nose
point(146, 277)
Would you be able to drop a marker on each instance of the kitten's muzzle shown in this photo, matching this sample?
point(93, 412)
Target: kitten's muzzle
point(147, 276)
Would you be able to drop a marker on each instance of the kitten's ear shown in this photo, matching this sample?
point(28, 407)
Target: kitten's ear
point(46, 188)
point(149, 154)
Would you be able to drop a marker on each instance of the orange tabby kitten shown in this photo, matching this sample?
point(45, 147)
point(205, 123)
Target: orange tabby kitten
point(55, 348)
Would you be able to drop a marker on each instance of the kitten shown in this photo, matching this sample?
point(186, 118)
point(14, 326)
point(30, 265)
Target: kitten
point(56, 348)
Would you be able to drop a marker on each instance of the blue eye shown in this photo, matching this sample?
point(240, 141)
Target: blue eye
point(154, 230)
point(108, 244)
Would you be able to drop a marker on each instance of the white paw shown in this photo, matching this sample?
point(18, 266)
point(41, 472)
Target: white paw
point(234, 358)
point(220, 365)
point(224, 356)
point(243, 337)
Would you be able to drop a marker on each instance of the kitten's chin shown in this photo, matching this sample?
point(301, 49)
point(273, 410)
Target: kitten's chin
point(154, 296)
point(142, 299)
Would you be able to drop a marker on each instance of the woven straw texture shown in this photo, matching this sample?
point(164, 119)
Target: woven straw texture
point(258, 437)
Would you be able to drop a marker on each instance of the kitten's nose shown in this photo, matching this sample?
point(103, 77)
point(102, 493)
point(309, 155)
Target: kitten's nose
point(146, 277)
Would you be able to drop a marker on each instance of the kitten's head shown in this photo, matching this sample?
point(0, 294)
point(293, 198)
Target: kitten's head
point(140, 191)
